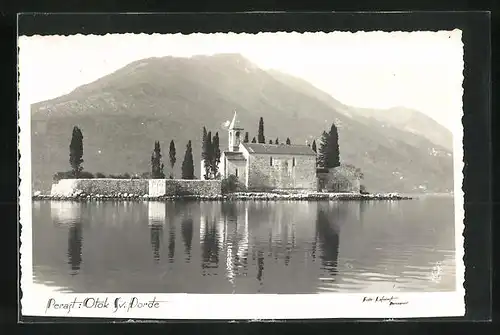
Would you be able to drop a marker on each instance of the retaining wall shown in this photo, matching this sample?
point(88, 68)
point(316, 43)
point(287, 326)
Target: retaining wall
point(104, 186)
point(141, 187)
point(160, 187)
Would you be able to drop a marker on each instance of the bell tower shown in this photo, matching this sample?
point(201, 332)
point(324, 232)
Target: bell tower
point(235, 133)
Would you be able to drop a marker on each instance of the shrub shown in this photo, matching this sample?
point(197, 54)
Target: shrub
point(231, 184)
point(362, 189)
point(146, 175)
point(71, 175)
point(100, 175)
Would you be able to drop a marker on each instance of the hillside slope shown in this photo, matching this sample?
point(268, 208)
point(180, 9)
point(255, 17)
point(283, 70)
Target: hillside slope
point(122, 114)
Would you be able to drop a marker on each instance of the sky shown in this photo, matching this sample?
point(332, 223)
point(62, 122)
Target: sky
point(419, 70)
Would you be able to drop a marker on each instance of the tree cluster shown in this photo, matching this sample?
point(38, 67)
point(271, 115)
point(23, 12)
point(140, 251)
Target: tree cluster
point(156, 163)
point(329, 154)
point(211, 154)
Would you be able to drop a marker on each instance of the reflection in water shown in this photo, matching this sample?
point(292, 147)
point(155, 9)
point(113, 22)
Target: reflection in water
point(65, 212)
point(156, 220)
point(75, 243)
point(187, 236)
point(328, 236)
point(406, 246)
point(209, 245)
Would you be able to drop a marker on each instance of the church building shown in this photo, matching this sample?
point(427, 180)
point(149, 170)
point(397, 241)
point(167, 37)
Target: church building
point(261, 166)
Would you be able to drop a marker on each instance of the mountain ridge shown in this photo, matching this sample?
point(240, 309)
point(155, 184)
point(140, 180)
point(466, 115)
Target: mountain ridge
point(165, 98)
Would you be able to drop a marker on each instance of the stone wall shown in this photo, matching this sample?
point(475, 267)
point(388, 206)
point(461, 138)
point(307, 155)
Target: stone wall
point(340, 179)
point(282, 174)
point(152, 187)
point(104, 186)
point(160, 187)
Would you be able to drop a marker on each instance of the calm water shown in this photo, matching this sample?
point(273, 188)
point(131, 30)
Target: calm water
point(245, 247)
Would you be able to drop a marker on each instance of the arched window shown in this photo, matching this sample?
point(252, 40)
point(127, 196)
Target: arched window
point(236, 172)
point(293, 161)
point(271, 161)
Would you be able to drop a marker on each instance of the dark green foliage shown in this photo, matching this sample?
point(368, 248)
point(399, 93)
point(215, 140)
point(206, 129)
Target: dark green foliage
point(146, 175)
point(171, 154)
point(100, 175)
point(254, 140)
point(288, 142)
point(260, 136)
point(76, 152)
point(270, 141)
point(156, 163)
point(246, 138)
point(277, 141)
point(362, 189)
point(231, 184)
point(70, 175)
point(205, 148)
point(215, 157)
point(188, 164)
point(313, 147)
point(208, 155)
point(329, 154)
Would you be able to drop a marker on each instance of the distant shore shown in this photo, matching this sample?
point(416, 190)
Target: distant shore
point(242, 196)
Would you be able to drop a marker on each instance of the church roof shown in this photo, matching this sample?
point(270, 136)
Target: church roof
point(279, 149)
point(235, 124)
point(234, 155)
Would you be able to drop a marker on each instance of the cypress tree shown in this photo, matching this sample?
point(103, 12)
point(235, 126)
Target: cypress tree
point(204, 151)
point(188, 164)
point(260, 137)
point(172, 158)
point(156, 163)
point(314, 146)
point(246, 138)
point(215, 155)
point(208, 156)
point(329, 154)
point(254, 140)
point(288, 142)
point(277, 141)
point(333, 144)
point(270, 141)
point(76, 152)
point(323, 150)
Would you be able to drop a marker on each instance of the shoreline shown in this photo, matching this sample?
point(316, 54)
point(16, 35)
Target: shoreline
point(242, 196)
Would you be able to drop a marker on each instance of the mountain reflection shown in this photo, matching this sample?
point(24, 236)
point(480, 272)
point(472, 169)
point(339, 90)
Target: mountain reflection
point(274, 247)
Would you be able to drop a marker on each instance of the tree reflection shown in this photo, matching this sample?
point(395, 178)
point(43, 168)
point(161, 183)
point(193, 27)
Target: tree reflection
point(75, 244)
point(171, 242)
point(187, 235)
point(260, 265)
point(210, 250)
point(156, 232)
point(327, 234)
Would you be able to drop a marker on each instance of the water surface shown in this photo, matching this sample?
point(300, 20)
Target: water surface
point(245, 247)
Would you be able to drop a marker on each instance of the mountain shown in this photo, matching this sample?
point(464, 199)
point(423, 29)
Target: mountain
point(123, 113)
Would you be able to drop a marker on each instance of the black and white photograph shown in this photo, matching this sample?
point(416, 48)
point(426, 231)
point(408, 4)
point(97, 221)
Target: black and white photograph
point(202, 175)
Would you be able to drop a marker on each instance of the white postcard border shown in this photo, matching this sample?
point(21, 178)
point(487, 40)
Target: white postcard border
point(36, 298)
